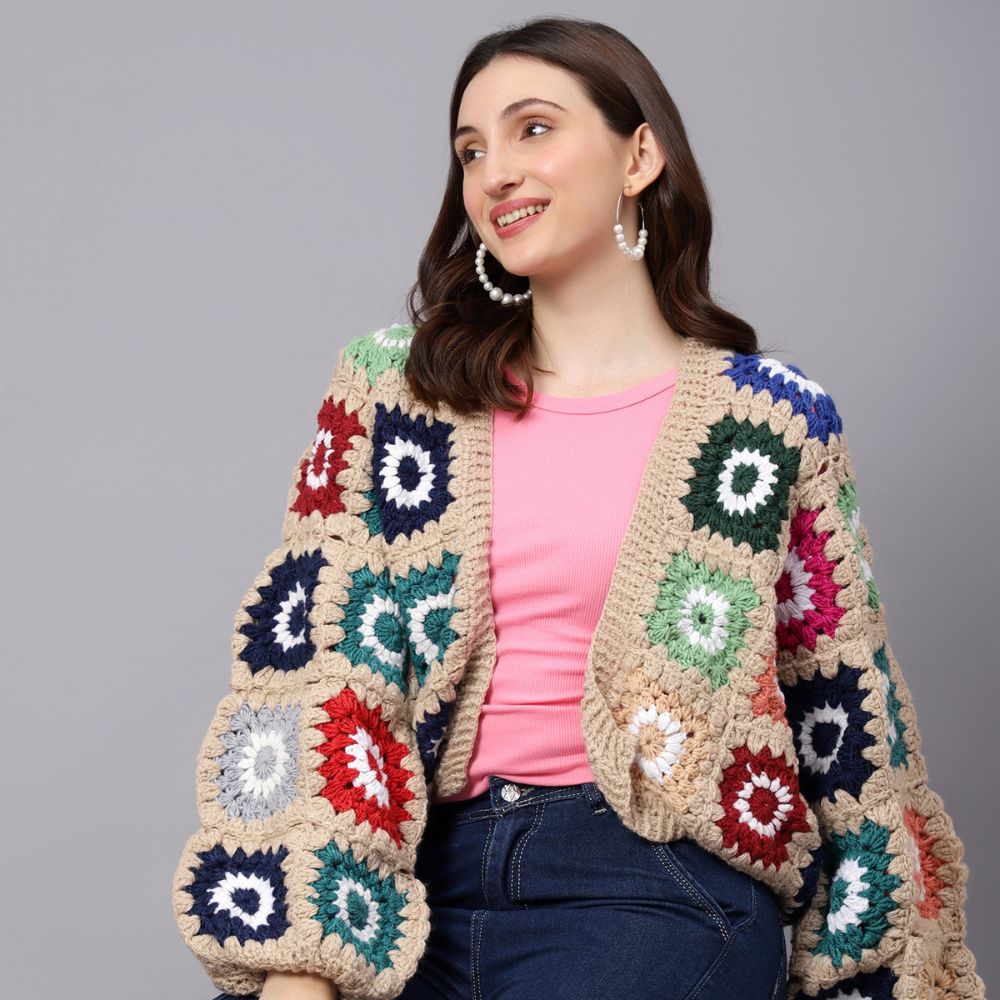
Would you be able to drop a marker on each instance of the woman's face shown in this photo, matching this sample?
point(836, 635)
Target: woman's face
point(564, 156)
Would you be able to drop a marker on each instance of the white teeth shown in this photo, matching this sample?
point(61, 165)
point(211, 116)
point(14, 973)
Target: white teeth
point(521, 213)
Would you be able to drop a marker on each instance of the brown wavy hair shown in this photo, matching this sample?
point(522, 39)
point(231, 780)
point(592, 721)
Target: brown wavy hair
point(463, 338)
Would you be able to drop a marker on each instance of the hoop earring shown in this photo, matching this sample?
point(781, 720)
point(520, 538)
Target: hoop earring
point(638, 251)
point(498, 294)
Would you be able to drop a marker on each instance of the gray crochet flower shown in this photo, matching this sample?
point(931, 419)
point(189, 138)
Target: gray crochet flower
point(258, 772)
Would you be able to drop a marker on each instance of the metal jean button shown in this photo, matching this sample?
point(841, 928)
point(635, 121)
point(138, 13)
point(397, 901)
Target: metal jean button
point(510, 792)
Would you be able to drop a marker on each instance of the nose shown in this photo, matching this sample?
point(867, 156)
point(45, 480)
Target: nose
point(500, 175)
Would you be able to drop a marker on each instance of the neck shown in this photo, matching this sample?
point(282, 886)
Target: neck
point(600, 324)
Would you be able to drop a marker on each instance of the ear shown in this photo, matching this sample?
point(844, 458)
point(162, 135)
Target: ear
point(644, 160)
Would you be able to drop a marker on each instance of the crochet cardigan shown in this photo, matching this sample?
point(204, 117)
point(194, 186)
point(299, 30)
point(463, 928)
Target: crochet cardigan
point(740, 690)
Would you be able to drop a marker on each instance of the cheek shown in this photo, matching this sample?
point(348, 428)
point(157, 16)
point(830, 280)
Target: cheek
point(573, 172)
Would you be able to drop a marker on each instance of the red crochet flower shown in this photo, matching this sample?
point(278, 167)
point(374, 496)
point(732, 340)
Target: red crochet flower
point(763, 807)
point(363, 767)
point(317, 484)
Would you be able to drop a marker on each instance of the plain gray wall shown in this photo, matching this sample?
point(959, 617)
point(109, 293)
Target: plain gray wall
point(202, 202)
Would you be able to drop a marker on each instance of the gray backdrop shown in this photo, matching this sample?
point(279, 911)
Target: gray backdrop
point(202, 202)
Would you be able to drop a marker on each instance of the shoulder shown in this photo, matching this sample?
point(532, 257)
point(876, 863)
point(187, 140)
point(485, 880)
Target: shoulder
point(783, 382)
point(369, 357)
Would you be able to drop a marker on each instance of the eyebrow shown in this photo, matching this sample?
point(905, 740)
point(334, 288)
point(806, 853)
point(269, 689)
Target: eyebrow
point(511, 109)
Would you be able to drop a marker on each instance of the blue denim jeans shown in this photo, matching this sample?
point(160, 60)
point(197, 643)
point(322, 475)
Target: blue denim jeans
point(542, 892)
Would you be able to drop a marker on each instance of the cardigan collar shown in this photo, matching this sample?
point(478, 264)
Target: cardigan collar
point(656, 513)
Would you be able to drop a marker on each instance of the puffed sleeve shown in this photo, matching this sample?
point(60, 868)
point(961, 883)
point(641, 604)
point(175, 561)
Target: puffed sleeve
point(887, 918)
point(310, 790)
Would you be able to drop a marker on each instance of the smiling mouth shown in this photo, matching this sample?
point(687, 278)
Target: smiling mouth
point(509, 218)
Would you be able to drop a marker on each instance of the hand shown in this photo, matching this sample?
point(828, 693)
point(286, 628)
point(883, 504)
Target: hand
point(297, 986)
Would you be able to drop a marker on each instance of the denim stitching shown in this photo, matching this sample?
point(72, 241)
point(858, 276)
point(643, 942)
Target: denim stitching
point(681, 877)
point(474, 958)
point(519, 853)
point(707, 978)
point(482, 864)
point(712, 969)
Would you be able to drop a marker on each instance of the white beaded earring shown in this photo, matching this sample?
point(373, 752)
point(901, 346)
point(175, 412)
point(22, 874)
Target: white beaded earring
point(638, 251)
point(497, 294)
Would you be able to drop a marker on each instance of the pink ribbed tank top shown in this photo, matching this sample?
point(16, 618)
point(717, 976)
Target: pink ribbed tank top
point(565, 481)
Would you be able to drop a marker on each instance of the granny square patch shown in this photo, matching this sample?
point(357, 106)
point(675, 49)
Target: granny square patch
point(355, 903)
point(806, 591)
point(380, 350)
point(426, 601)
point(877, 985)
point(788, 382)
point(828, 724)
point(242, 894)
point(762, 807)
point(258, 769)
point(317, 484)
point(741, 483)
point(280, 634)
point(700, 617)
point(898, 756)
point(860, 896)
point(411, 461)
point(363, 766)
point(374, 633)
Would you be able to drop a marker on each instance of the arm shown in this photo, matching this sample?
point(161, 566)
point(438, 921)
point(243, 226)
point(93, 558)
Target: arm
point(311, 793)
point(297, 986)
point(887, 917)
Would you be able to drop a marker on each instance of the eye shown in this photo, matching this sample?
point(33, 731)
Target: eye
point(463, 154)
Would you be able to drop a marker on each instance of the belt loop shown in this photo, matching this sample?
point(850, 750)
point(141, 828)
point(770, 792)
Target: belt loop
point(598, 804)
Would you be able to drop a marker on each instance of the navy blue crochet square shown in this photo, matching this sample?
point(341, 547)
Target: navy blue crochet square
point(242, 894)
point(410, 470)
point(828, 725)
point(279, 632)
point(430, 735)
point(788, 382)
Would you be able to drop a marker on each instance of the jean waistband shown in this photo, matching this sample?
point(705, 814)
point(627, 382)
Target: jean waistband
point(504, 795)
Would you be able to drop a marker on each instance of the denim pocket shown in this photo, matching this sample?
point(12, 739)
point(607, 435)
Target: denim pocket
point(729, 894)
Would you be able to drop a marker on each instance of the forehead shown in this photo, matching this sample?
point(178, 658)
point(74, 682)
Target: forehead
point(512, 78)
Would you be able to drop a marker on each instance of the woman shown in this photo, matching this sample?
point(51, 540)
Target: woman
point(505, 724)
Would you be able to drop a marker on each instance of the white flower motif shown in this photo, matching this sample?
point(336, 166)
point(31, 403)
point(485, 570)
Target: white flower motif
point(757, 781)
point(417, 617)
point(351, 887)
point(697, 602)
point(367, 761)
point(396, 452)
point(661, 766)
point(821, 764)
point(263, 764)
point(282, 632)
point(222, 896)
point(379, 605)
point(854, 904)
point(763, 488)
point(800, 601)
point(317, 480)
